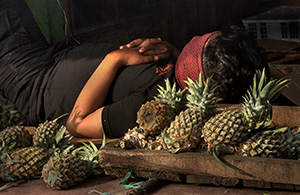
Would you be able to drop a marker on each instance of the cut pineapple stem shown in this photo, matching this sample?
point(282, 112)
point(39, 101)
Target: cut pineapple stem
point(60, 117)
point(227, 165)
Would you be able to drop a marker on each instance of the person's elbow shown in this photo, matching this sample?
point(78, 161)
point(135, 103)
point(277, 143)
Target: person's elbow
point(72, 124)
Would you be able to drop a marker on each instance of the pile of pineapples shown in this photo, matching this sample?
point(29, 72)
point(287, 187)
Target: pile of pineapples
point(47, 153)
point(187, 120)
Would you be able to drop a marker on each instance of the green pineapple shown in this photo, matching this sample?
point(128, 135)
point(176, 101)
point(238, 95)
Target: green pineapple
point(184, 132)
point(16, 134)
point(231, 127)
point(274, 143)
point(71, 167)
point(291, 141)
point(23, 163)
point(9, 117)
point(262, 145)
point(27, 162)
point(155, 115)
point(46, 131)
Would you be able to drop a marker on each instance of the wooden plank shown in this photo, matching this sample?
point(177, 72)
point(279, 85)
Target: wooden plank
point(256, 184)
point(192, 163)
point(286, 116)
point(278, 71)
point(287, 58)
point(292, 92)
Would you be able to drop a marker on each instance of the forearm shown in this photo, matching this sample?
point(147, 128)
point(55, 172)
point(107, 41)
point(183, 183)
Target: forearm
point(85, 118)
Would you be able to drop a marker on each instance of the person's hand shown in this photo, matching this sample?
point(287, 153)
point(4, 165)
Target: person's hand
point(153, 47)
point(129, 57)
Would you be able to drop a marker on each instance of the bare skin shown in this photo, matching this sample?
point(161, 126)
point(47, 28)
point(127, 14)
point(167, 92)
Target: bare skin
point(85, 118)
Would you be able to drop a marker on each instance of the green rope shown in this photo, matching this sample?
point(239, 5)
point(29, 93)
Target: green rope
point(133, 185)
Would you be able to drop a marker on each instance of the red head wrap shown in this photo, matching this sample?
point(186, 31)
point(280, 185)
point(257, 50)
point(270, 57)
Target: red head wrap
point(189, 62)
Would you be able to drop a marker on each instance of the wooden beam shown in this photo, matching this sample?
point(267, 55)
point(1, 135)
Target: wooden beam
point(193, 163)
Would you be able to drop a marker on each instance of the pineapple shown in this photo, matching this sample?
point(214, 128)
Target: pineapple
point(136, 138)
point(46, 131)
point(27, 162)
point(157, 114)
point(231, 127)
point(70, 168)
point(16, 134)
point(23, 163)
point(9, 117)
point(184, 132)
point(262, 145)
point(275, 143)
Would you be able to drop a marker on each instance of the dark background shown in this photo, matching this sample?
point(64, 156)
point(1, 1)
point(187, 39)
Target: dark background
point(177, 21)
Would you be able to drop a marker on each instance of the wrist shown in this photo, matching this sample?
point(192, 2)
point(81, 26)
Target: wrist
point(115, 58)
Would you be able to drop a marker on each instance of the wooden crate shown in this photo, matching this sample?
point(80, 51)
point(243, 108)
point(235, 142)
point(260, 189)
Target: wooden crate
point(202, 168)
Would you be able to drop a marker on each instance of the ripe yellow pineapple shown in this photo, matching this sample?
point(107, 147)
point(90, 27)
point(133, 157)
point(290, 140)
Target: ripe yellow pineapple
point(231, 127)
point(16, 134)
point(71, 167)
point(184, 132)
point(154, 116)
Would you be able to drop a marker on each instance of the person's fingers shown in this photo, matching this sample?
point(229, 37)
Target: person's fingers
point(153, 51)
point(160, 56)
point(133, 43)
point(155, 40)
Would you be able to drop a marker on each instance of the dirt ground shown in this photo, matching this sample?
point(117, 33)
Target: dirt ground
point(158, 187)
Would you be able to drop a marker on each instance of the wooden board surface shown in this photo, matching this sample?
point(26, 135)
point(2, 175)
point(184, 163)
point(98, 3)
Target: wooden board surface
point(202, 164)
point(195, 167)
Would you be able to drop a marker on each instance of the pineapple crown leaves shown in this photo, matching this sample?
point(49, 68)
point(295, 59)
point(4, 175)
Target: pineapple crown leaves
point(4, 150)
point(170, 94)
point(89, 153)
point(59, 141)
point(61, 116)
point(225, 150)
point(202, 95)
point(10, 116)
point(275, 131)
point(256, 106)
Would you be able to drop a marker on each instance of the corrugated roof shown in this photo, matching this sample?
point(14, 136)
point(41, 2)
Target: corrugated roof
point(278, 13)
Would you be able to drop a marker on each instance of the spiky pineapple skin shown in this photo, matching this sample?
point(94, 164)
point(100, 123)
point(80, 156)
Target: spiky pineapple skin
point(154, 116)
point(16, 134)
point(63, 171)
point(44, 131)
point(184, 132)
point(263, 145)
point(227, 128)
point(25, 163)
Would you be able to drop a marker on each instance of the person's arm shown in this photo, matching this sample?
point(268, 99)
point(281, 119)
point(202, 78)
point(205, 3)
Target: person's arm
point(85, 118)
point(153, 46)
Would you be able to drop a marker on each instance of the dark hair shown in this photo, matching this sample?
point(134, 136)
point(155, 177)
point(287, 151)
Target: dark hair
point(232, 59)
